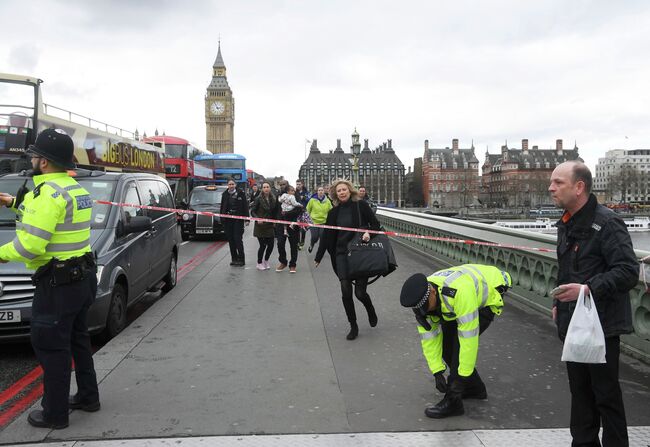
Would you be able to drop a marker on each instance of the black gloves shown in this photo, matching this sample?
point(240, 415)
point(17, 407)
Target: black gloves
point(421, 319)
point(441, 382)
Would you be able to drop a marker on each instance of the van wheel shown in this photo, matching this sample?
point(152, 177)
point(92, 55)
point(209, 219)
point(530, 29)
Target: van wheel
point(116, 319)
point(172, 275)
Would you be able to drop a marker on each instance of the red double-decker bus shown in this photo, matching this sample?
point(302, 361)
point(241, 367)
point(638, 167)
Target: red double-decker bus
point(181, 171)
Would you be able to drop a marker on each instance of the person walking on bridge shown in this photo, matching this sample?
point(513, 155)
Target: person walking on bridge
point(348, 212)
point(317, 207)
point(593, 249)
point(53, 237)
point(234, 202)
point(264, 207)
point(452, 308)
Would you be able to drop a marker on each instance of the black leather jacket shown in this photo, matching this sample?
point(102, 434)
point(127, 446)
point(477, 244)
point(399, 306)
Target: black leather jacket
point(594, 248)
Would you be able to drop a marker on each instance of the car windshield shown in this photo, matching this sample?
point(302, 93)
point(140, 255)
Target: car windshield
point(206, 197)
point(98, 190)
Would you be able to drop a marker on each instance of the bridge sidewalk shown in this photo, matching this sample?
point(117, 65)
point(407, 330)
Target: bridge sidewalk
point(233, 352)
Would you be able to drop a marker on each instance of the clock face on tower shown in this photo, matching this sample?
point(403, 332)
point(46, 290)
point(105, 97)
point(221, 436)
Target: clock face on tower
point(217, 108)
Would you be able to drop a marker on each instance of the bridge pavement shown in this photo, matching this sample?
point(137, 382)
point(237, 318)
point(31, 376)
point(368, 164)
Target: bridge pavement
point(234, 352)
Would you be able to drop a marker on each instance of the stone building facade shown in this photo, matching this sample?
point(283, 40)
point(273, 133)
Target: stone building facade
point(450, 176)
point(521, 177)
point(379, 170)
point(219, 111)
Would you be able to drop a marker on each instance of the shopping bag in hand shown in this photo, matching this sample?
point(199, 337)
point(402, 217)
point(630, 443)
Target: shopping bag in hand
point(585, 340)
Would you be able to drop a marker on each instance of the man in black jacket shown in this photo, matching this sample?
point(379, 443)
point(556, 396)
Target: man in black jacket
point(594, 250)
point(234, 202)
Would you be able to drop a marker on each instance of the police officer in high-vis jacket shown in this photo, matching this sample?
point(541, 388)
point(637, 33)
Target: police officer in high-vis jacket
point(53, 238)
point(453, 307)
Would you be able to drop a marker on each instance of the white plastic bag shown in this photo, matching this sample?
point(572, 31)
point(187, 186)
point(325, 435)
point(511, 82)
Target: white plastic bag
point(585, 340)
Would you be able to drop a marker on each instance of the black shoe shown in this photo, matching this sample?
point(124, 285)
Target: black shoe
point(445, 408)
point(36, 419)
point(75, 404)
point(354, 331)
point(372, 316)
point(233, 262)
point(311, 247)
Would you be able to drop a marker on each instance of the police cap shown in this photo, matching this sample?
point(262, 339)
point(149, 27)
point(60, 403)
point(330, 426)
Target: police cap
point(56, 146)
point(415, 291)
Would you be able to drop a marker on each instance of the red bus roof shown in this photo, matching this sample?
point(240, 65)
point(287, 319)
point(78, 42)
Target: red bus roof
point(166, 139)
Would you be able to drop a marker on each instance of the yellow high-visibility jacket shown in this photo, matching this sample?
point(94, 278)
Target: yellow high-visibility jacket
point(54, 222)
point(462, 291)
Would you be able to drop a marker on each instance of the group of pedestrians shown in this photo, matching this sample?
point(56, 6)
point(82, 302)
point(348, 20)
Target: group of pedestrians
point(452, 307)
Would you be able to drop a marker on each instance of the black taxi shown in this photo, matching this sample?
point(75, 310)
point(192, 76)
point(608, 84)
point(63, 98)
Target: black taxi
point(202, 198)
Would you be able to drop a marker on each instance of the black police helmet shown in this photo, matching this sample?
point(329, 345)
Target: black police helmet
point(56, 146)
point(415, 291)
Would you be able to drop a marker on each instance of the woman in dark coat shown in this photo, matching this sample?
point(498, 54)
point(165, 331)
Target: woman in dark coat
point(264, 207)
point(348, 212)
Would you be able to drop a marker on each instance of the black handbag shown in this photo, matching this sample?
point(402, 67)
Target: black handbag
point(374, 258)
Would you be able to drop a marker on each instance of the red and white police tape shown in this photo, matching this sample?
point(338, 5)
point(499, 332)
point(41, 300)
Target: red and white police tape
point(329, 227)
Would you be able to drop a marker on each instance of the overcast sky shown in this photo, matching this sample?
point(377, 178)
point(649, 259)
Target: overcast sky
point(487, 71)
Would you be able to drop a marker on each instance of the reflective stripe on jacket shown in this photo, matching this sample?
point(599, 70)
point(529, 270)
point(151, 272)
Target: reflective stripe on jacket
point(54, 222)
point(462, 291)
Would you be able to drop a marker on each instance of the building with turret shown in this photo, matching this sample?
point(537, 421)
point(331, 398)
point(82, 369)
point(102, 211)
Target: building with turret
point(380, 170)
point(450, 176)
point(521, 177)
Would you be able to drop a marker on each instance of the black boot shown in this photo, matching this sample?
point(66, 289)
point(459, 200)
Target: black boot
point(372, 315)
point(354, 331)
point(474, 387)
point(450, 405)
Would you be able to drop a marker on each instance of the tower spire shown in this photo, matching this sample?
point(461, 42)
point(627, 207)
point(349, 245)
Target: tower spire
point(218, 63)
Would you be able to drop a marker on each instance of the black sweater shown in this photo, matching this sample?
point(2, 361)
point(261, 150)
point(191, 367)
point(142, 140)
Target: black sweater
point(333, 241)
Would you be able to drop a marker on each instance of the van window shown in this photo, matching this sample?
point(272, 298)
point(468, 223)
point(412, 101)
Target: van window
point(99, 189)
point(132, 197)
point(156, 194)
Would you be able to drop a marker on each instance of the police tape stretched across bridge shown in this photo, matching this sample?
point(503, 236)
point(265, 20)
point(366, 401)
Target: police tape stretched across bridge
point(53, 237)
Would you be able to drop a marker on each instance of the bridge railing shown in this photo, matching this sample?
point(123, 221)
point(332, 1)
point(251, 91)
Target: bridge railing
point(534, 273)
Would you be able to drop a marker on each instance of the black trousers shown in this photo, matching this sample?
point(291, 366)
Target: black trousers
point(58, 333)
point(266, 248)
point(234, 229)
point(596, 398)
point(292, 237)
point(451, 348)
point(360, 287)
point(316, 233)
point(303, 233)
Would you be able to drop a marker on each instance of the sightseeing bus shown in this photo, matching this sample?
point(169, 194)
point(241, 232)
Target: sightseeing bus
point(226, 166)
point(97, 145)
point(181, 170)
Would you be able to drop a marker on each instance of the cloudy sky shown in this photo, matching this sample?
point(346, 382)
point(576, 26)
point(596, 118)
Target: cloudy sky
point(487, 71)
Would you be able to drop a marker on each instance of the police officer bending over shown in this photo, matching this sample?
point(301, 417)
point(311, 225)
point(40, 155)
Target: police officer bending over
point(53, 237)
point(452, 307)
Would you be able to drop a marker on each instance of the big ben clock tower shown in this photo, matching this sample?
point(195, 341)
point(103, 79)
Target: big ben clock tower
point(219, 110)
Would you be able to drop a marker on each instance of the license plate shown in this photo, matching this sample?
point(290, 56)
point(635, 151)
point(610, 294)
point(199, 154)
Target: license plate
point(209, 231)
point(9, 316)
